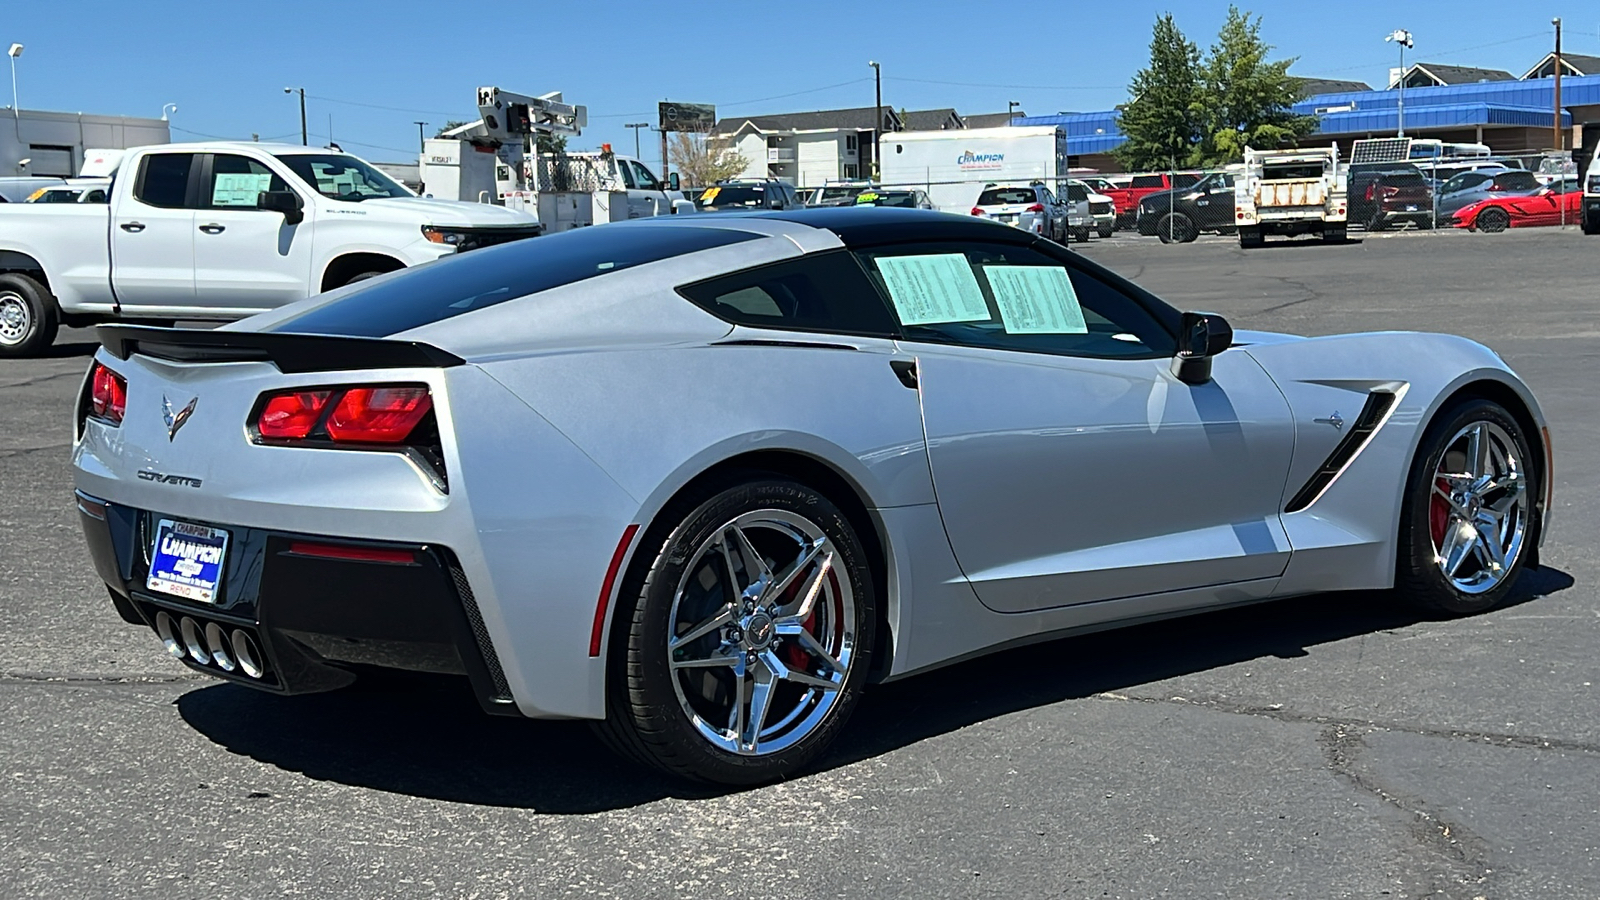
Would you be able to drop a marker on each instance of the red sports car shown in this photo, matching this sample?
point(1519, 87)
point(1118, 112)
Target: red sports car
point(1553, 204)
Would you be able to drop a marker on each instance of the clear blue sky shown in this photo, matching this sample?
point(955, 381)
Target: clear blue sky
point(226, 64)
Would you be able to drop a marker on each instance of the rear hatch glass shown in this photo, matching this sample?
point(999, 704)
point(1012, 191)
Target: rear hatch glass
point(1007, 197)
point(483, 278)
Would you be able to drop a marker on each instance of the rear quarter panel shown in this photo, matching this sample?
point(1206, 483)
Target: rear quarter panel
point(70, 241)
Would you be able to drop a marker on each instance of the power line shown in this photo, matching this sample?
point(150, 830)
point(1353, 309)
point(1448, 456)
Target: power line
point(1017, 87)
point(404, 109)
point(827, 87)
point(1443, 53)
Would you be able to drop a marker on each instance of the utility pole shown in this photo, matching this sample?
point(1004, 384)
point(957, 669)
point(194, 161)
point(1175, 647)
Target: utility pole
point(422, 140)
point(304, 135)
point(1403, 38)
point(1555, 126)
point(636, 126)
point(877, 124)
point(1011, 110)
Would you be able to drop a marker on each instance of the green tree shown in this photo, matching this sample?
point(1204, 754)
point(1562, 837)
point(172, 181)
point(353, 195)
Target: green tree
point(452, 124)
point(1246, 97)
point(1165, 120)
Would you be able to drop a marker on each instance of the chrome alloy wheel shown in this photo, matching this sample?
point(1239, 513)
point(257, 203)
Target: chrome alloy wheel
point(763, 633)
point(16, 318)
point(1478, 515)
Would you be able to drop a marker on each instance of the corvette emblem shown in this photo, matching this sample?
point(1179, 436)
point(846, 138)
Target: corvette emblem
point(1336, 420)
point(175, 420)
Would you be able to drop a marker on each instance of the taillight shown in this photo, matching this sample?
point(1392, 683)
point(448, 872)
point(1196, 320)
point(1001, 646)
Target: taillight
point(1037, 207)
point(108, 395)
point(1370, 189)
point(383, 415)
point(291, 416)
point(375, 414)
point(976, 211)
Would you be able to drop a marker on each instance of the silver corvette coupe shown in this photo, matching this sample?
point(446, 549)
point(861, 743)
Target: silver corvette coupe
point(704, 479)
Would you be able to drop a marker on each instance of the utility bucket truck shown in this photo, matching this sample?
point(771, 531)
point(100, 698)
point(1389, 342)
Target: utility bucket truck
point(496, 160)
point(1290, 192)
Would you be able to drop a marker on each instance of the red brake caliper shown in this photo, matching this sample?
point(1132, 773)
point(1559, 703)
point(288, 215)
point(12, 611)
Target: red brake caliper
point(793, 655)
point(1439, 513)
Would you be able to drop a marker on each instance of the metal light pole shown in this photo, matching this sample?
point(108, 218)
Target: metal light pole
point(1011, 110)
point(166, 108)
point(304, 135)
point(14, 52)
point(1555, 125)
point(877, 124)
point(636, 126)
point(1403, 38)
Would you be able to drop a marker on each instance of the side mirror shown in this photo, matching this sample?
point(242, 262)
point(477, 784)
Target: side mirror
point(286, 202)
point(1201, 336)
point(672, 181)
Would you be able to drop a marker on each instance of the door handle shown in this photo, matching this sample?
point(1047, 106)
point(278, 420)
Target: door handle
point(213, 228)
point(906, 371)
point(133, 226)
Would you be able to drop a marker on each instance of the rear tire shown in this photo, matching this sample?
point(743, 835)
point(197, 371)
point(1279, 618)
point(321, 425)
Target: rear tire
point(689, 707)
point(1590, 227)
point(29, 318)
point(1176, 228)
point(1448, 519)
point(1493, 221)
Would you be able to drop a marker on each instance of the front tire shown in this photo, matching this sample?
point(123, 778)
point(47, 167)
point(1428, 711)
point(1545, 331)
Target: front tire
point(1176, 228)
point(1493, 221)
point(1106, 231)
point(1468, 512)
point(748, 637)
point(29, 319)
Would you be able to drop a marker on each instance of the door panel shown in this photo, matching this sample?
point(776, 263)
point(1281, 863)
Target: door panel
point(247, 258)
point(1067, 480)
point(152, 235)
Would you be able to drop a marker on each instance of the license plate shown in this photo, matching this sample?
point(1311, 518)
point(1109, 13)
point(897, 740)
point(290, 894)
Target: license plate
point(187, 560)
point(1008, 217)
point(1412, 207)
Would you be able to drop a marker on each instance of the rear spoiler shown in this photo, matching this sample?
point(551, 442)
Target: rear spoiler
point(291, 353)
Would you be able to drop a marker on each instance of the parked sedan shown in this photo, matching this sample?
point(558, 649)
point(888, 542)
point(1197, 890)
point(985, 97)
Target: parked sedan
point(1468, 188)
point(1555, 204)
point(704, 479)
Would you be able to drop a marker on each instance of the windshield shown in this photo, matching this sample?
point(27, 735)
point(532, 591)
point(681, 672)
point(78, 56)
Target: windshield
point(840, 193)
point(340, 177)
point(734, 196)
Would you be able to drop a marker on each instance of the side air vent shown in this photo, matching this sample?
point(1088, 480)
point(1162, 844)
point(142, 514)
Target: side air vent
point(1372, 413)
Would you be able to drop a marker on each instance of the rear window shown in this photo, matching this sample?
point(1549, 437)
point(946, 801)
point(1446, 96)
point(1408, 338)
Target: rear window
point(1292, 171)
point(735, 196)
point(1405, 179)
point(1145, 181)
point(484, 278)
point(1007, 196)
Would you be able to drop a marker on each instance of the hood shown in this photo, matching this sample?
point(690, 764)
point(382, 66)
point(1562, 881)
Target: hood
point(449, 212)
point(1244, 338)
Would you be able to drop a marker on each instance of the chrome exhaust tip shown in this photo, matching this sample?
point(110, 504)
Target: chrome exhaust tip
point(192, 640)
point(217, 643)
point(248, 654)
point(167, 630)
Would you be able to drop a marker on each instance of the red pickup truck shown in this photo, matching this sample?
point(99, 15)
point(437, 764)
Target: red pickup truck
point(1126, 200)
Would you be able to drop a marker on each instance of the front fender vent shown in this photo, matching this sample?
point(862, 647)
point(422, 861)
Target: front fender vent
point(1366, 425)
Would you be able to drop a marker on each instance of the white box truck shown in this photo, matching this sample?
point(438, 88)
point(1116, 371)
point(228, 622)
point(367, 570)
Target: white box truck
point(953, 166)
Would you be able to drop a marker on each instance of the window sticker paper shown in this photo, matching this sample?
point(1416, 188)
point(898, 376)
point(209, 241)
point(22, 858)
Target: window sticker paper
point(1036, 300)
point(239, 189)
point(933, 289)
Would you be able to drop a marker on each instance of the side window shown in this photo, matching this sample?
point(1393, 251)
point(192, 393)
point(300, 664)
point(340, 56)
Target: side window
point(164, 180)
point(1012, 298)
point(1145, 181)
point(237, 182)
point(626, 171)
point(826, 292)
point(643, 177)
point(1183, 181)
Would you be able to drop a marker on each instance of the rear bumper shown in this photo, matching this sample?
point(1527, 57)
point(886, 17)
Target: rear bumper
point(314, 619)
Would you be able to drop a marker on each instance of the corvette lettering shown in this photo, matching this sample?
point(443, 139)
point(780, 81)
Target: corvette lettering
point(164, 478)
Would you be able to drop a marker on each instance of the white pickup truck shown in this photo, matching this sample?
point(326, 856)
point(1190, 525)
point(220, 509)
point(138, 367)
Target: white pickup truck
point(1290, 192)
point(221, 231)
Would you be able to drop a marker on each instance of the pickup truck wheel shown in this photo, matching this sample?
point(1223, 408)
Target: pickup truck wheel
point(1176, 228)
point(28, 316)
point(1590, 227)
point(1080, 235)
point(1106, 231)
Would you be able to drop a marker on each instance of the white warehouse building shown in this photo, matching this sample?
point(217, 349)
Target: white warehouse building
point(35, 142)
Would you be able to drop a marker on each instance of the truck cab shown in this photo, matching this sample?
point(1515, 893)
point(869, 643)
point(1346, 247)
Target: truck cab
point(222, 231)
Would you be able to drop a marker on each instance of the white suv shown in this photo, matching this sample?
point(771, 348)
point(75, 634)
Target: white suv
point(1030, 207)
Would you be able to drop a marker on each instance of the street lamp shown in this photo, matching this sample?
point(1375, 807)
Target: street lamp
point(14, 52)
point(1403, 38)
point(1555, 127)
point(636, 126)
point(877, 124)
point(1011, 109)
point(168, 108)
point(304, 137)
point(422, 140)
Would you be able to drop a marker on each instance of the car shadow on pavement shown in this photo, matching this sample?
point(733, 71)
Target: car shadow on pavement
point(426, 737)
point(68, 350)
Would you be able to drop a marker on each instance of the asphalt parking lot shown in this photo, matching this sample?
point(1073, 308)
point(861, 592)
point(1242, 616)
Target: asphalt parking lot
point(1329, 746)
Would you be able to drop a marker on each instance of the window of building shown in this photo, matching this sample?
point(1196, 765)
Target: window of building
point(850, 143)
